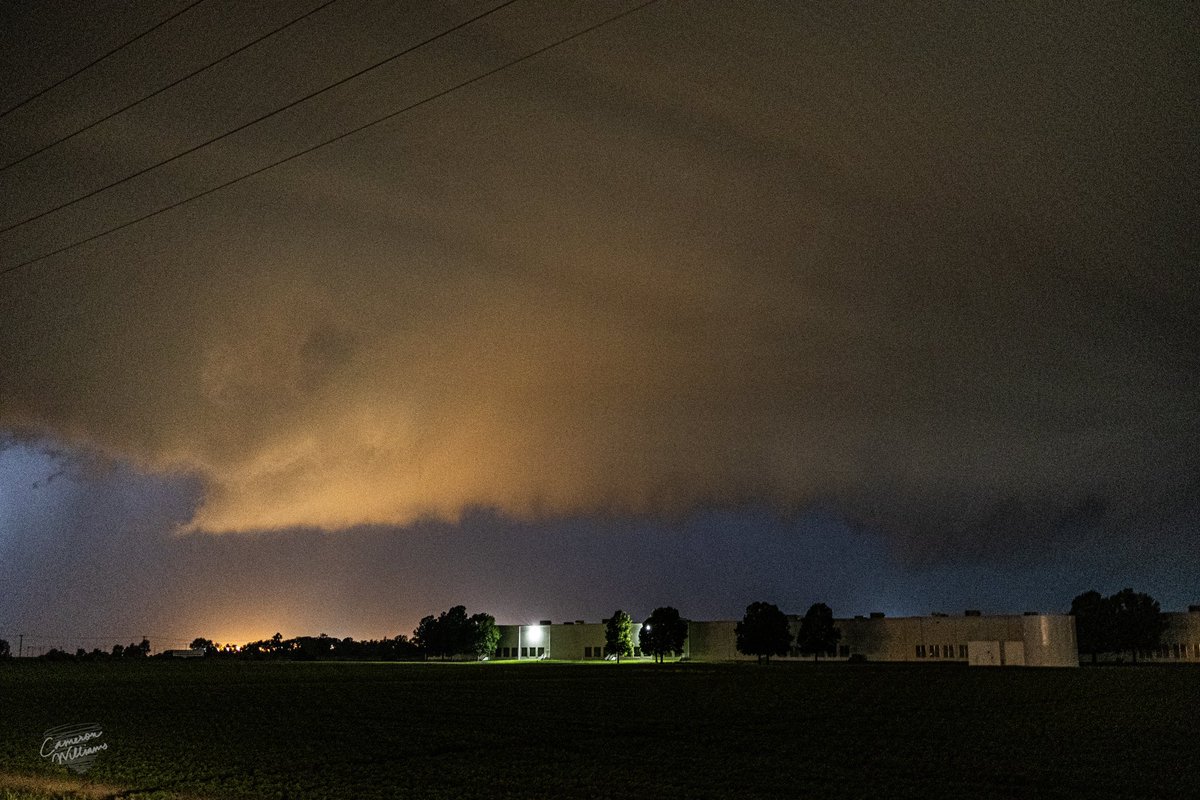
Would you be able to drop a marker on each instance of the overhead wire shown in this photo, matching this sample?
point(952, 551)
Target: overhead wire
point(96, 61)
point(168, 86)
point(292, 104)
point(358, 129)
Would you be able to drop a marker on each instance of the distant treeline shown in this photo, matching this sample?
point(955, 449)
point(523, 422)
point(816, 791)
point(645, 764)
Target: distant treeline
point(311, 648)
point(1127, 621)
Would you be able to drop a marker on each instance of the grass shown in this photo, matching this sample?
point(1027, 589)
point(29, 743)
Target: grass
point(355, 730)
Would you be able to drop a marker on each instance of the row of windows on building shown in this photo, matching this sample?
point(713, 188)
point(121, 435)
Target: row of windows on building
point(1173, 650)
point(598, 652)
point(526, 652)
point(537, 652)
point(841, 651)
point(941, 651)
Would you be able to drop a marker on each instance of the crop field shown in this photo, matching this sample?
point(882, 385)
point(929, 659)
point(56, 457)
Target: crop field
point(374, 730)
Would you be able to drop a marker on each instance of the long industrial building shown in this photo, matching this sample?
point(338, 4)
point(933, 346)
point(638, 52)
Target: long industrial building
point(1031, 639)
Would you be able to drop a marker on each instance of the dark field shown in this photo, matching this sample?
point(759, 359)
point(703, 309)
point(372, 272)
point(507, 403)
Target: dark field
point(352, 730)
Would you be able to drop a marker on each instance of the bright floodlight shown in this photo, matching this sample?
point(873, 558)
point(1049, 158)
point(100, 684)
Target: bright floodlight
point(533, 634)
point(646, 626)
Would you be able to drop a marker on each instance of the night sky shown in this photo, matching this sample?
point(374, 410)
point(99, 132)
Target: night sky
point(892, 306)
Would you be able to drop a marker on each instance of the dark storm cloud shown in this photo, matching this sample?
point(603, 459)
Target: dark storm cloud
point(932, 268)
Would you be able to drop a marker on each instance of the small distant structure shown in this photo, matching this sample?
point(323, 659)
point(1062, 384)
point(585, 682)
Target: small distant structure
point(191, 652)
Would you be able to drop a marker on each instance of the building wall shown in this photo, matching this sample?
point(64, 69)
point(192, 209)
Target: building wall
point(1180, 642)
point(570, 641)
point(1041, 640)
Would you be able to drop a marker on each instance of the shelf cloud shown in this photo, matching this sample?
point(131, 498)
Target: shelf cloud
point(934, 274)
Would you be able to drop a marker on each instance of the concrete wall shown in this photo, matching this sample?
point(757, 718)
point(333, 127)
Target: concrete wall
point(562, 641)
point(1050, 640)
point(1180, 642)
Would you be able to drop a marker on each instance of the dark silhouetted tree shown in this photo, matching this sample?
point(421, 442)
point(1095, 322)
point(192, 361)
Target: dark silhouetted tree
point(1138, 622)
point(484, 634)
point(1094, 630)
point(663, 633)
point(618, 635)
point(457, 636)
point(763, 632)
point(118, 651)
point(208, 645)
point(452, 633)
point(427, 636)
point(5, 649)
point(817, 633)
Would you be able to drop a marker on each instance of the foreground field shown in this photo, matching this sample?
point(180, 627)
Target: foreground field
point(351, 730)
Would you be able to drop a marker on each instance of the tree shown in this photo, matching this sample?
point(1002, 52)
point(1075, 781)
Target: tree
point(763, 632)
point(457, 636)
point(1137, 621)
point(452, 633)
point(1094, 631)
point(5, 649)
point(207, 645)
point(1127, 620)
point(427, 636)
point(485, 635)
point(618, 635)
point(663, 633)
point(817, 632)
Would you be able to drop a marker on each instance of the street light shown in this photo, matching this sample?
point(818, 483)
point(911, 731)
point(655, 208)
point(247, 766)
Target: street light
point(531, 635)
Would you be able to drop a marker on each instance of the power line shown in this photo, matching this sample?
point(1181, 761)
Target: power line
point(255, 121)
point(93, 63)
point(170, 85)
point(339, 137)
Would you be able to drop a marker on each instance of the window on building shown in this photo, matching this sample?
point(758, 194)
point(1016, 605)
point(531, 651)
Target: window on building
point(524, 652)
point(962, 651)
point(1175, 650)
point(587, 652)
point(920, 651)
point(541, 651)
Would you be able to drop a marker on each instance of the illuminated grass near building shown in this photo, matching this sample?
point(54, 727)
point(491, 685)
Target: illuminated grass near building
point(356, 730)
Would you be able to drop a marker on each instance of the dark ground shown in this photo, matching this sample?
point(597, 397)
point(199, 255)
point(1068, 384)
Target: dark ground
point(358, 730)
